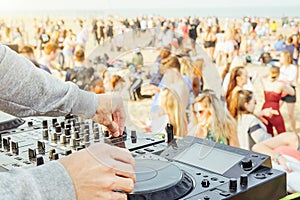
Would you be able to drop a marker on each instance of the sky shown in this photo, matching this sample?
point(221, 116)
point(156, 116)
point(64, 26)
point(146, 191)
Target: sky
point(7, 5)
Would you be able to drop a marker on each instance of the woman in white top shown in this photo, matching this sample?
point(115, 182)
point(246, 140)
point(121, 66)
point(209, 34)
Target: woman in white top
point(251, 130)
point(288, 73)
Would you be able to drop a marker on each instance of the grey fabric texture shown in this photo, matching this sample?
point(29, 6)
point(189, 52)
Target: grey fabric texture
point(49, 181)
point(28, 91)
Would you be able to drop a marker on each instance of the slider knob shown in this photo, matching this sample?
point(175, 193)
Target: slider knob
point(96, 136)
point(45, 134)
point(232, 184)
point(67, 132)
point(54, 137)
point(62, 139)
point(45, 124)
point(205, 183)
point(55, 156)
point(72, 142)
point(247, 164)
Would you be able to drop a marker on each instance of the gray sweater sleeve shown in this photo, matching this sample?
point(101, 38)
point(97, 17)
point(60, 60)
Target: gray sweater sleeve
point(28, 91)
point(49, 181)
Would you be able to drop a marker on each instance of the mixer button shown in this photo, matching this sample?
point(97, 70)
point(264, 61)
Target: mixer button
point(205, 183)
point(260, 176)
point(149, 150)
point(225, 194)
point(140, 152)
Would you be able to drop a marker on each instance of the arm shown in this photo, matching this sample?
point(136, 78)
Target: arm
point(32, 91)
point(233, 139)
point(37, 183)
point(28, 91)
point(288, 89)
point(268, 146)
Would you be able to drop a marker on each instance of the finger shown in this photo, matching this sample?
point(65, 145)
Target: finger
point(117, 196)
point(123, 155)
point(124, 170)
point(119, 118)
point(124, 184)
point(113, 128)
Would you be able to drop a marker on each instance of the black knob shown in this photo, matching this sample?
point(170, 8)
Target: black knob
point(68, 152)
point(232, 184)
point(106, 133)
point(206, 198)
point(32, 155)
point(86, 138)
point(76, 135)
point(133, 136)
point(244, 180)
point(67, 132)
point(39, 160)
point(58, 129)
point(55, 156)
point(247, 164)
point(6, 144)
point(45, 134)
point(205, 183)
point(72, 142)
point(41, 147)
point(54, 120)
point(86, 131)
point(51, 152)
point(45, 124)
point(170, 132)
point(15, 148)
point(68, 126)
point(62, 139)
point(96, 135)
point(53, 136)
point(62, 124)
point(56, 124)
point(30, 123)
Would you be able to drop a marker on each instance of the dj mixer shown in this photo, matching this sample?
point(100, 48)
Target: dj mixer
point(166, 168)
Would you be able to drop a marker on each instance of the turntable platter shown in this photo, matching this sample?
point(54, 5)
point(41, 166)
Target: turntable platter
point(158, 180)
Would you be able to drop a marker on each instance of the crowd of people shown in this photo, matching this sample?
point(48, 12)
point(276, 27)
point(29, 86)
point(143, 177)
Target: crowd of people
point(178, 88)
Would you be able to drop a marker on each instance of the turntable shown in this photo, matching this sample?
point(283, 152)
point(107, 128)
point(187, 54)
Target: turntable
point(196, 169)
point(158, 179)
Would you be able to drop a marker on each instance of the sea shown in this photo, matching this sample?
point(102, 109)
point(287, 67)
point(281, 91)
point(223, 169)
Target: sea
point(216, 11)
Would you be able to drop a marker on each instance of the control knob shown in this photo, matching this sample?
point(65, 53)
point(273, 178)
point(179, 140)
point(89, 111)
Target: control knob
point(232, 184)
point(244, 180)
point(247, 164)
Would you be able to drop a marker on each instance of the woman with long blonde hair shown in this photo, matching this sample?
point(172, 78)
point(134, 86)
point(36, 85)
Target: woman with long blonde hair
point(170, 102)
point(212, 121)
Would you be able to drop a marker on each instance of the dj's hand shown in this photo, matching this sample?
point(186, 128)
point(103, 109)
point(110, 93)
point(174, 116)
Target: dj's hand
point(98, 171)
point(111, 113)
